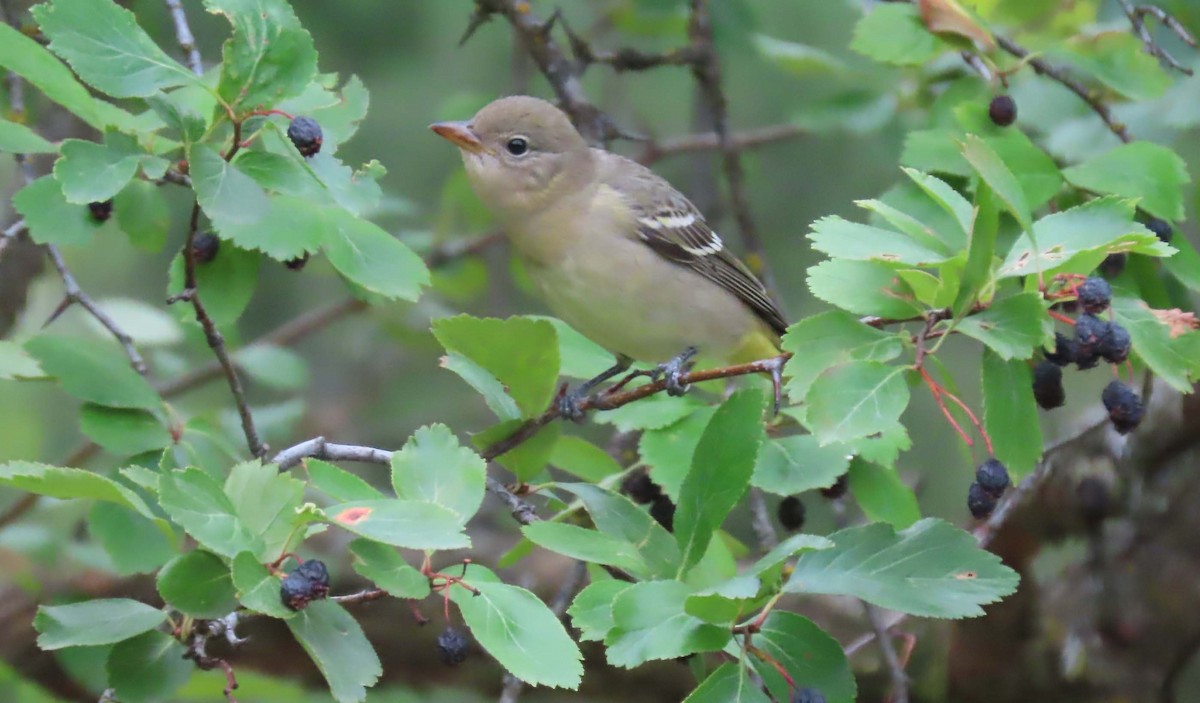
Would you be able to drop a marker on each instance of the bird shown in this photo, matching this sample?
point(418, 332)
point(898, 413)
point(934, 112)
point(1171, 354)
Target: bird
point(613, 249)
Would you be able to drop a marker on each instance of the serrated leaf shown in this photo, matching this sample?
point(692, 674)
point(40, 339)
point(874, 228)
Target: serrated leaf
point(16, 138)
point(91, 172)
point(1013, 327)
point(1118, 60)
point(856, 399)
point(721, 469)
point(493, 391)
point(134, 542)
point(1010, 413)
point(828, 339)
point(266, 502)
point(651, 413)
point(100, 621)
point(147, 668)
point(649, 623)
point(49, 218)
point(403, 523)
point(123, 430)
point(810, 656)
point(336, 644)
point(668, 451)
point(932, 569)
point(1149, 172)
point(519, 630)
point(227, 195)
point(370, 257)
point(882, 495)
point(790, 465)
point(384, 567)
point(269, 57)
point(337, 483)
point(521, 353)
point(843, 239)
point(195, 502)
point(587, 545)
point(988, 164)
point(863, 288)
point(16, 363)
point(1171, 358)
point(198, 584)
point(257, 588)
point(893, 33)
point(730, 683)
point(434, 467)
point(60, 482)
point(591, 611)
point(618, 516)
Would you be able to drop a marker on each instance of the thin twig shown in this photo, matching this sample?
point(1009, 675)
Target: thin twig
point(764, 529)
point(183, 34)
point(709, 141)
point(364, 596)
point(1137, 21)
point(895, 668)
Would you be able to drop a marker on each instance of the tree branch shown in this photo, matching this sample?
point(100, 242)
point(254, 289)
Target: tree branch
point(1137, 21)
point(183, 34)
point(709, 141)
point(891, 660)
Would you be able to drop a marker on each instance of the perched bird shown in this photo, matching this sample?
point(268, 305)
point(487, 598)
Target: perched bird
point(614, 249)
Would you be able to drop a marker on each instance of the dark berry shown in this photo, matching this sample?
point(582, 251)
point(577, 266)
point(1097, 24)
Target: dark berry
point(791, 513)
point(1095, 295)
point(102, 210)
point(205, 247)
point(309, 582)
point(992, 477)
point(663, 512)
point(1116, 344)
point(1003, 110)
point(1113, 265)
point(1161, 228)
point(1065, 350)
point(1089, 332)
point(305, 133)
point(1047, 385)
point(807, 695)
point(838, 489)
point(1092, 499)
point(1123, 405)
point(297, 263)
point(453, 645)
point(980, 502)
point(640, 488)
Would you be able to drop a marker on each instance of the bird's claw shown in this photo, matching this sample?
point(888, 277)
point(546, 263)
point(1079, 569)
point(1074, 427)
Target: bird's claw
point(569, 402)
point(672, 371)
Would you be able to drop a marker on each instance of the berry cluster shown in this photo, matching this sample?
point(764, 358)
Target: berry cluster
point(309, 582)
point(1095, 339)
point(453, 646)
point(641, 489)
point(306, 135)
point(991, 480)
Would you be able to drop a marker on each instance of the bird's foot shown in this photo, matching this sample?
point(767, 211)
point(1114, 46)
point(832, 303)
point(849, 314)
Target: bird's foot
point(573, 404)
point(671, 372)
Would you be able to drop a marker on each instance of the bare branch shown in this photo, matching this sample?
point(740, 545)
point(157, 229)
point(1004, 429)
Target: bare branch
point(709, 141)
point(183, 34)
point(1137, 21)
point(764, 529)
point(890, 659)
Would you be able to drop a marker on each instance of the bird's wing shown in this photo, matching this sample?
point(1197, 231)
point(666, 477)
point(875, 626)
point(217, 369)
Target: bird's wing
point(674, 228)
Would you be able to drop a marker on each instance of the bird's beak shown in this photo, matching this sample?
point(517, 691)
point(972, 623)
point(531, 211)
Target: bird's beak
point(461, 135)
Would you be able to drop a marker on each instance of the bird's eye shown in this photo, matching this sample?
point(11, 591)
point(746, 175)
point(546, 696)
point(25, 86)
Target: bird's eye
point(517, 146)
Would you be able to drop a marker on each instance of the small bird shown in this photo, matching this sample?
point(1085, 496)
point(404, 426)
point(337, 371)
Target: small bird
point(615, 250)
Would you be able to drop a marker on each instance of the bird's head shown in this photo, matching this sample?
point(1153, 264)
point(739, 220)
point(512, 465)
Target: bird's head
point(520, 153)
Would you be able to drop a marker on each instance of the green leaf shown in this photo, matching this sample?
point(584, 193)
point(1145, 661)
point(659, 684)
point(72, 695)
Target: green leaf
point(105, 46)
point(91, 172)
point(58, 482)
point(589, 545)
point(28, 59)
point(493, 391)
point(16, 363)
point(519, 352)
point(198, 584)
point(809, 655)
point(1013, 327)
point(228, 196)
point(668, 451)
point(831, 338)
point(134, 542)
point(403, 523)
point(337, 483)
point(581, 458)
point(580, 356)
point(730, 683)
point(100, 621)
point(863, 288)
point(1118, 60)
point(649, 623)
point(894, 34)
point(1144, 170)
point(1010, 414)
point(616, 515)
point(434, 467)
point(285, 228)
point(266, 502)
point(16, 138)
point(143, 215)
point(528, 458)
point(122, 430)
point(269, 57)
point(195, 502)
point(882, 495)
point(336, 644)
point(651, 413)
point(226, 283)
point(1077, 240)
point(932, 569)
point(1035, 169)
point(843, 239)
point(795, 58)
point(147, 668)
point(257, 588)
point(1171, 358)
point(273, 366)
point(592, 610)
point(383, 566)
point(988, 164)
point(855, 400)
point(50, 218)
point(372, 258)
point(951, 201)
point(799, 463)
point(721, 470)
point(517, 628)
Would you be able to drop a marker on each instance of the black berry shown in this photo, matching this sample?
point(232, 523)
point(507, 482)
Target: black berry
point(838, 489)
point(1095, 295)
point(1161, 228)
point(1093, 501)
point(791, 513)
point(663, 512)
point(807, 695)
point(305, 133)
point(640, 488)
point(1047, 385)
point(1065, 350)
point(1113, 265)
point(205, 247)
point(453, 645)
point(980, 502)
point(297, 263)
point(102, 210)
point(1089, 332)
point(1123, 405)
point(309, 582)
point(1003, 110)
point(1116, 344)
point(992, 477)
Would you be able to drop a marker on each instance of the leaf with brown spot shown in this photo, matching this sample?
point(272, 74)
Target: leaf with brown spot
point(948, 17)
